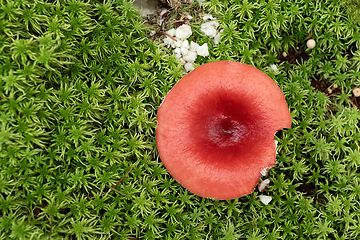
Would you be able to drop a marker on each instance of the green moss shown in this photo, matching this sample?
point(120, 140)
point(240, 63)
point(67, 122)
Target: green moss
point(80, 84)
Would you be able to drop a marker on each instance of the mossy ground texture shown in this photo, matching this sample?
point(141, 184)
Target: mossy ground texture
point(80, 84)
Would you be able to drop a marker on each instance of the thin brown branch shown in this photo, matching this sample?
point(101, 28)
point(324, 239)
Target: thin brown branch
point(113, 188)
point(120, 180)
point(3, 97)
point(310, 35)
point(169, 36)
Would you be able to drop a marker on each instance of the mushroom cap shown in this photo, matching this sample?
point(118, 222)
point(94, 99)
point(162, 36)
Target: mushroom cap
point(310, 43)
point(216, 127)
point(356, 92)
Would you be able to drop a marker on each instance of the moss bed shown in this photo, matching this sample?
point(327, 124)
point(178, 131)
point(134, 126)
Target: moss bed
point(80, 83)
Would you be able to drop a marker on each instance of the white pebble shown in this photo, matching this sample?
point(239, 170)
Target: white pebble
point(183, 32)
point(203, 50)
point(273, 68)
point(182, 61)
point(193, 46)
point(217, 38)
point(208, 17)
point(264, 171)
point(185, 47)
point(185, 44)
point(190, 56)
point(169, 42)
point(178, 43)
point(263, 185)
point(177, 51)
point(171, 32)
point(284, 54)
point(184, 50)
point(208, 29)
point(188, 67)
point(310, 43)
point(215, 24)
point(265, 199)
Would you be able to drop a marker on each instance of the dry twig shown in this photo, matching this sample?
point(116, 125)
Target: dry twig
point(120, 180)
point(169, 36)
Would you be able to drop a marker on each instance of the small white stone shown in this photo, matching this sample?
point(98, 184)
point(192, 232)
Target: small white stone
point(182, 61)
point(177, 54)
point(208, 29)
point(263, 185)
point(185, 44)
point(193, 46)
point(264, 171)
point(171, 32)
point(185, 47)
point(169, 42)
point(310, 43)
point(208, 17)
point(217, 38)
point(177, 51)
point(184, 50)
point(190, 56)
point(203, 50)
point(178, 43)
point(273, 68)
point(188, 66)
point(215, 24)
point(284, 54)
point(183, 32)
point(265, 199)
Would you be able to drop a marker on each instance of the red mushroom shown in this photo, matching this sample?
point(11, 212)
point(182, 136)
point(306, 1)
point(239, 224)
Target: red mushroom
point(215, 132)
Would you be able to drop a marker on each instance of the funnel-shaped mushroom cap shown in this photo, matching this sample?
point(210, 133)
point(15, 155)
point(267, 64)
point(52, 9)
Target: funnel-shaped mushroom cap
point(216, 127)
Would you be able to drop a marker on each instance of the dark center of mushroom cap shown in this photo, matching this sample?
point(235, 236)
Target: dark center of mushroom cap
point(225, 126)
point(224, 130)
